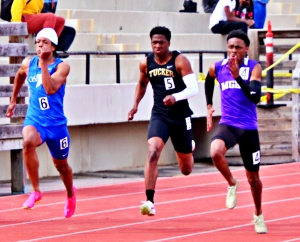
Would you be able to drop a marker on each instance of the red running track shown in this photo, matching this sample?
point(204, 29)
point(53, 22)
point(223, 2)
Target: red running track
point(188, 208)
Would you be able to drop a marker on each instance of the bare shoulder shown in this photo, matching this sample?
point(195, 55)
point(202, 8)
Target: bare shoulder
point(181, 57)
point(64, 66)
point(258, 67)
point(26, 62)
point(183, 65)
point(256, 72)
point(23, 70)
point(62, 70)
point(181, 61)
point(212, 70)
point(143, 64)
point(144, 61)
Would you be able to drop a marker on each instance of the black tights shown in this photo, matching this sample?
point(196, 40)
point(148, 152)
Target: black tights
point(224, 27)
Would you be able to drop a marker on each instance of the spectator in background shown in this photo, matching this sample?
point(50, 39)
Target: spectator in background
point(223, 19)
point(209, 5)
point(30, 12)
point(67, 36)
point(244, 9)
point(49, 6)
point(189, 7)
point(260, 13)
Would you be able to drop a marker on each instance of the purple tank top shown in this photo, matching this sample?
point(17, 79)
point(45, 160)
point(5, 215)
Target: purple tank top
point(237, 110)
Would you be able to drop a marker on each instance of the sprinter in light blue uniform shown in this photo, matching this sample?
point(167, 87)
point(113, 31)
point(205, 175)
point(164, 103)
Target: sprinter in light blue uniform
point(240, 87)
point(45, 120)
point(46, 110)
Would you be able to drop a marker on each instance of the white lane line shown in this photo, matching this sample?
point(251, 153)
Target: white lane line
point(166, 178)
point(225, 228)
point(157, 191)
point(134, 207)
point(165, 219)
point(290, 240)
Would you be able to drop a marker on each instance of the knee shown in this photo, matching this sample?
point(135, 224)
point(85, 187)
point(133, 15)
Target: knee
point(50, 17)
point(153, 155)
point(216, 154)
point(60, 20)
point(61, 167)
point(186, 170)
point(28, 144)
point(217, 150)
point(254, 181)
point(186, 164)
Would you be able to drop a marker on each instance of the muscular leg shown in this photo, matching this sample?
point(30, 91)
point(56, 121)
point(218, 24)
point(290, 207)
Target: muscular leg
point(59, 25)
point(31, 139)
point(256, 190)
point(66, 174)
point(217, 152)
point(185, 162)
point(36, 22)
point(155, 146)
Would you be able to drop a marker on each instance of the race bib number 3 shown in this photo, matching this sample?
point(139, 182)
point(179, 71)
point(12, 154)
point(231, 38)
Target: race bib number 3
point(169, 83)
point(44, 104)
point(64, 143)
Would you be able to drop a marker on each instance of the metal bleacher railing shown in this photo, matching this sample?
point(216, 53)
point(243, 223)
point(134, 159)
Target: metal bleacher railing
point(117, 55)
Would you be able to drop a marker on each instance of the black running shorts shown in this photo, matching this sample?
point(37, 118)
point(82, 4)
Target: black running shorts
point(180, 132)
point(248, 141)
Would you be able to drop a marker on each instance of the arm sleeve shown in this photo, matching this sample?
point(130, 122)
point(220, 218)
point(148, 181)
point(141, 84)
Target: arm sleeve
point(209, 88)
point(190, 90)
point(252, 91)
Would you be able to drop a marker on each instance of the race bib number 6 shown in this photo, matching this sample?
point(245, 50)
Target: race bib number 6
point(44, 104)
point(64, 143)
point(169, 83)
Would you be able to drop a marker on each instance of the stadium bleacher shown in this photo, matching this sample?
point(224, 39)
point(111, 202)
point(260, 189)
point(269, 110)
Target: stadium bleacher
point(124, 25)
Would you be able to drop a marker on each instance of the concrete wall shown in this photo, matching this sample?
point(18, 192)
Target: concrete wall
point(103, 70)
point(102, 104)
point(108, 21)
point(195, 41)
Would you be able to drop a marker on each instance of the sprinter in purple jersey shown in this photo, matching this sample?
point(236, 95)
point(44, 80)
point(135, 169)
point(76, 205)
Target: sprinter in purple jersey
point(240, 87)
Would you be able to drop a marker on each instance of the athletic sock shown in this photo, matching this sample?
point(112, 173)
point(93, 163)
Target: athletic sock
point(150, 195)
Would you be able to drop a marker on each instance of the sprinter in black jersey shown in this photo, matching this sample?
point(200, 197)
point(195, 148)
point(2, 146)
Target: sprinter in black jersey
point(173, 82)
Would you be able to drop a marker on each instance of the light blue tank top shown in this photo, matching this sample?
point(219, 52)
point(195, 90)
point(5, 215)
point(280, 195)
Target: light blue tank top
point(237, 110)
point(46, 110)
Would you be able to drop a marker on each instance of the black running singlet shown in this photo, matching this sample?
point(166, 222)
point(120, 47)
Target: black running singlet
point(165, 80)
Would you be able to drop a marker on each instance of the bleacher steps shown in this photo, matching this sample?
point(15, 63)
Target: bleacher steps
point(81, 25)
